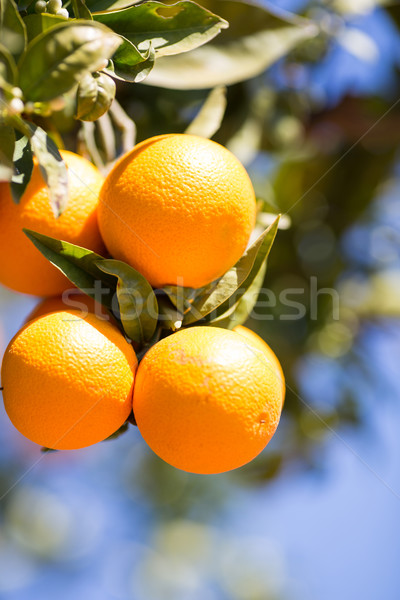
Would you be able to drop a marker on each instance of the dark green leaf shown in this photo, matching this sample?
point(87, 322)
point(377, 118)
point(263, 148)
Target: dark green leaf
point(23, 165)
point(79, 265)
point(181, 297)
point(129, 64)
point(8, 68)
point(226, 291)
point(7, 143)
point(137, 302)
point(80, 9)
point(209, 119)
point(12, 28)
point(258, 35)
point(24, 4)
point(54, 62)
point(169, 29)
point(131, 419)
point(52, 167)
point(123, 429)
point(37, 24)
point(170, 317)
point(95, 94)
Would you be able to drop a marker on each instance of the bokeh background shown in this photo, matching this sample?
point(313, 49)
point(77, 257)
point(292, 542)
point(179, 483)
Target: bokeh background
point(316, 516)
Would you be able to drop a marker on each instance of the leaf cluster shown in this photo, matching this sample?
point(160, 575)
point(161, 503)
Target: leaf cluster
point(47, 60)
point(145, 313)
point(53, 65)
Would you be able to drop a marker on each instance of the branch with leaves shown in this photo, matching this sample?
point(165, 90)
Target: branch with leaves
point(51, 58)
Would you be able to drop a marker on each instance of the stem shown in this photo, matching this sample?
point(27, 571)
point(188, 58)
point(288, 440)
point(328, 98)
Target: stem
point(146, 347)
point(107, 135)
point(19, 124)
point(87, 137)
point(131, 419)
point(125, 124)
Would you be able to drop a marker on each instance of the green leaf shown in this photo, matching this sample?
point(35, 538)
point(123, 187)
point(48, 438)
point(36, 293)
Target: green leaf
point(109, 5)
point(8, 68)
point(265, 219)
point(258, 35)
point(37, 24)
point(52, 167)
point(123, 429)
point(137, 301)
point(23, 166)
point(240, 311)
point(12, 28)
point(169, 29)
point(81, 11)
point(226, 291)
point(181, 297)
point(24, 4)
point(129, 64)
point(54, 62)
point(94, 96)
point(79, 265)
point(209, 119)
point(249, 299)
point(170, 317)
point(7, 144)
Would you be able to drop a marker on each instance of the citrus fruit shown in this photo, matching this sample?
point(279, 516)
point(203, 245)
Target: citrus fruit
point(67, 380)
point(179, 209)
point(25, 269)
point(258, 342)
point(73, 301)
point(206, 400)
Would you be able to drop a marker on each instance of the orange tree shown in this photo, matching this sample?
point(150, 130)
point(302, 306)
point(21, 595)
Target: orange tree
point(60, 66)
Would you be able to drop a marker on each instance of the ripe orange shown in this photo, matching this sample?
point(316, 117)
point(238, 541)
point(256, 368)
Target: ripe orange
point(205, 400)
point(258, 342)
point(179, 209)
point(73, 301)
point(68, 381)
point(23, 268)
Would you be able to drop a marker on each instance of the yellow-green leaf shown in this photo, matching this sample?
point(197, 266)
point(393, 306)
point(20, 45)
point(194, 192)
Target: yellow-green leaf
point(226, 291)
point(54, 62)
point(258, 35)
point(12, 28)
point(209, 119)
point(95, 94)
point(169, 29)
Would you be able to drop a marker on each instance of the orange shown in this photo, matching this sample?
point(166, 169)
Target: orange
point(206, 400)
point(67, 380)
point(73, 300)
point(179, 209)
point(258, 342)
point(23, 268)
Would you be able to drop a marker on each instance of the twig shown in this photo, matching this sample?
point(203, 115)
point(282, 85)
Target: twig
point(126, 126)
point(107, 136)
point(87, 137)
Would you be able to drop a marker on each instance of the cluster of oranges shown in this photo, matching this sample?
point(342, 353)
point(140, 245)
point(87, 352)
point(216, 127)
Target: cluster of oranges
point(180, 210)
